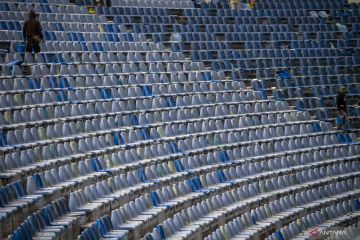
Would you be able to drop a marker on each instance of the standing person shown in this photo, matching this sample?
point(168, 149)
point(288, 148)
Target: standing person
point(341, 105)
point(234, 4)
point(32, 33)
point(252, 4)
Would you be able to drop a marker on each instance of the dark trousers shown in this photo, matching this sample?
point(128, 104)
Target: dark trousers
point(30, 45)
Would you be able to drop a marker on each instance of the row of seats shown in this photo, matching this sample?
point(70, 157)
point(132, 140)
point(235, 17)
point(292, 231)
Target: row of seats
point(95, 57)
point(242, 174)
point(11, 192)
point(57, 21)
point(12, 31)
point(86, 69)
point(15, 202)
point(311, 71)
point(260, 11)
point(65, 17)
point(155, 4)
point(197, 47)
point(157, 150)
point(302, 57)
point(18, 85)
point(41, 7)
point(258, 46)
point(65, 177)
point(107, 139)
point(124, 102)
point(36, 116)
point(75, 26)
point(306, 103)
point(129, 119)
point(214, 28)
point(240, 228)
point(102, 229)
point(184, 120)
point(106, 69)
point(185, 80)
point(93, 193)
point(257, 12)
point(187, 220)
point(250, 170)
point(256, 21)
point(124, 158)
point(50, 221)
point(77, 36)
point(306, 71)
point(300, 5)
point(247, 14)
point(321, 90)
point(286, 62)
point(131, 67)
point(325, 219)
point(316, 71)
point(52, 96)
point(331, 90)
point(81, 47)
point(299, 51)
point(324, 80)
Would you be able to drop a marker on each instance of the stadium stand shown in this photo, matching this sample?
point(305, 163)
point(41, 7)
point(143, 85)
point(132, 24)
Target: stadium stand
point(179, 119)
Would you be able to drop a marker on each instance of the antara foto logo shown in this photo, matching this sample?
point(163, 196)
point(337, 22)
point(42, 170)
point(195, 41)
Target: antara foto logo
point(314, 233)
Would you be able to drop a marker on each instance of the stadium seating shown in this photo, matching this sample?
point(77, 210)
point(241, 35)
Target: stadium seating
point(157, 119)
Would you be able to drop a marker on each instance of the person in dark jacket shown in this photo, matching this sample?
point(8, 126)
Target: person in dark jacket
point(32, 33)
point(341, 104)
point(341, 99)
